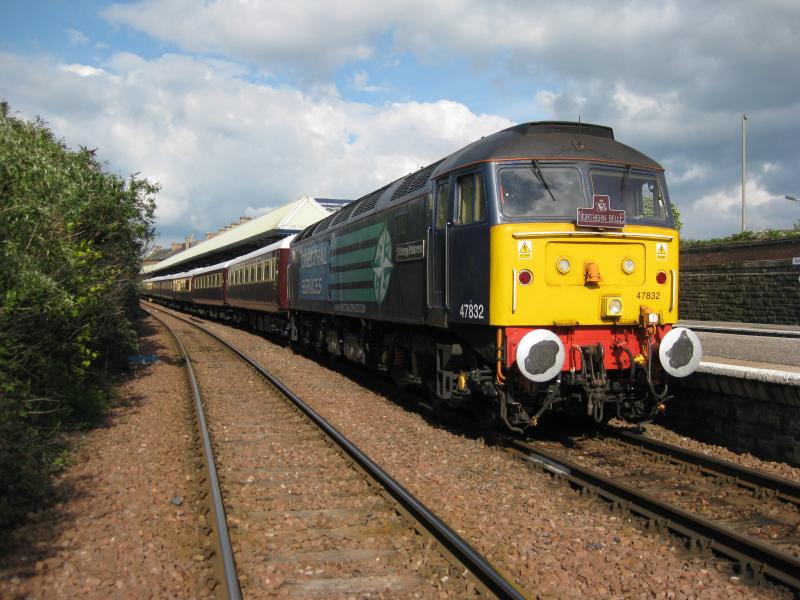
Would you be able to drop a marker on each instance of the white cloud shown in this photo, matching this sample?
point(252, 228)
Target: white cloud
point(633, 105)
point(545, 101)
point(76, 37)
point(719, 213)
point(360, 82)
point(220, 144)
point(671, 77)
point(310, 38)
point(83, 70)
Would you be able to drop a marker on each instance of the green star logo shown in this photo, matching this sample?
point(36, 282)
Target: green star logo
point(382, 265)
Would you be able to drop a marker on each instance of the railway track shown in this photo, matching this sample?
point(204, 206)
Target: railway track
point(750, 518)
point(295, 508)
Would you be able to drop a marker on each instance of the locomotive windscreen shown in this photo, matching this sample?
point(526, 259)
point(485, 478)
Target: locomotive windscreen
point(548, 191)
point(638, 194)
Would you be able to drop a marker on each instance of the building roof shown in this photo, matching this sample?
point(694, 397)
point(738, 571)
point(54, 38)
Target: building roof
point(260, 231)
point(332, 204)
point(158, 254)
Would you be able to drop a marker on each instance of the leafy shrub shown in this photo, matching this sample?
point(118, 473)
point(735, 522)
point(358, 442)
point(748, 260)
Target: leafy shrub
point(71, 238)
point(747, 236)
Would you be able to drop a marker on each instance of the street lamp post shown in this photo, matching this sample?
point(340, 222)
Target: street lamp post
point(744, 164)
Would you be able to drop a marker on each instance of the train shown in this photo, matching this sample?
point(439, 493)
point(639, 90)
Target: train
point(533, 270)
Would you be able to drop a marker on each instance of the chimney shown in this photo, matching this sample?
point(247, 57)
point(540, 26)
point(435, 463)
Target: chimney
point(177, 246)
point(189, 240)
point(244, 219)
point(210, 234)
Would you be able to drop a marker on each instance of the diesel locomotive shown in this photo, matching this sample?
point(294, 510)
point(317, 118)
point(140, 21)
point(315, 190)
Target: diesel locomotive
point(535, 269)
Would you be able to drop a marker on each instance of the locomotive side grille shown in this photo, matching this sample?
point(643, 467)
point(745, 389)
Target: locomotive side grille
point(324, 224)
point(368, 203)
point(415, 181)
point(344, 214)
point(402, 189)
point(305, 233)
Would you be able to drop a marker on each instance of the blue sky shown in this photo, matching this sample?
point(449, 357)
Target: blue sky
point(235, 107)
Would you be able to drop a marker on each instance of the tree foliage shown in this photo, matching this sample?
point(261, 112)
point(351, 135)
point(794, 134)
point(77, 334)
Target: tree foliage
point(71, 238)
point(760, 235)
point(676, 217)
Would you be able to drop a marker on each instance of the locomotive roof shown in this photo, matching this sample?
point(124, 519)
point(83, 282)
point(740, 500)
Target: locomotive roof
point(562, 140)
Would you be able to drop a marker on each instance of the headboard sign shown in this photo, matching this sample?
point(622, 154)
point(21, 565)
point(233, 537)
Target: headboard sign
point(601, 214)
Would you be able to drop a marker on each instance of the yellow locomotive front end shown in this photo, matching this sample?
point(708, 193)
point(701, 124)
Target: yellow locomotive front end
point(553, 274)
point(584, 291)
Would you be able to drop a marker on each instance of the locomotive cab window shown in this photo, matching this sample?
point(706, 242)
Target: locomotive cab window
point(442, 203)
point(638, 194)
point(535, 190)
point(471, 202)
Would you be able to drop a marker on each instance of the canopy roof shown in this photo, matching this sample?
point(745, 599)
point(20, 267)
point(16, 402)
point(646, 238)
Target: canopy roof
point(244, 238)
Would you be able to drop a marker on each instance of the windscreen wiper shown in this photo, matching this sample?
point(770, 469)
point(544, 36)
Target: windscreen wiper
point(625, 178)
point(539, 175)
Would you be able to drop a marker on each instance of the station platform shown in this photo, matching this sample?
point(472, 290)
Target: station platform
point(757, 351)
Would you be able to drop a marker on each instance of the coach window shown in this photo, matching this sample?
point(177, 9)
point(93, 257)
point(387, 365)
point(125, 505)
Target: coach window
point(471, 199)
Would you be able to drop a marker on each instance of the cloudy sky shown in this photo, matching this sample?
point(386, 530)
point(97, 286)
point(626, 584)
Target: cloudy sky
point(234, 106)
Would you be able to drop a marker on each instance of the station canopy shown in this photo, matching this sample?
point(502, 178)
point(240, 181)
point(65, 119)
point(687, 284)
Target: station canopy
point(251, 235)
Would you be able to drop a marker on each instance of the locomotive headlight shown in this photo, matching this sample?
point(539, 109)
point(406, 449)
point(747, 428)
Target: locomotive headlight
point(540, 355)
point(612, 307)
point(680, 352)
point(628, 265)
point(563, 265)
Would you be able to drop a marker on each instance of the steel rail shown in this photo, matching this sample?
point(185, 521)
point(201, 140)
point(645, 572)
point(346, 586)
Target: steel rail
point(224, 550)
point(755, 554)
point(785, 489)
point(477, 564)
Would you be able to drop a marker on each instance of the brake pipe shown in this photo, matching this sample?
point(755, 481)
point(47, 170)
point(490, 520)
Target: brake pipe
point(501, 379)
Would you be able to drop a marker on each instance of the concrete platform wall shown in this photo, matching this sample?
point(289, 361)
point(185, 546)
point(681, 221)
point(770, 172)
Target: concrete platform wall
point(744, 415)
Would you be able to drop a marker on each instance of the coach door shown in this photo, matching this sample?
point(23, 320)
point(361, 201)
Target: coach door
point(438, 243)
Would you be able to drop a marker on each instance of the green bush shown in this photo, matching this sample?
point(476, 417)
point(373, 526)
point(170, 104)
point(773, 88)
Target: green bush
point(71, 240)
point(761, 235)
